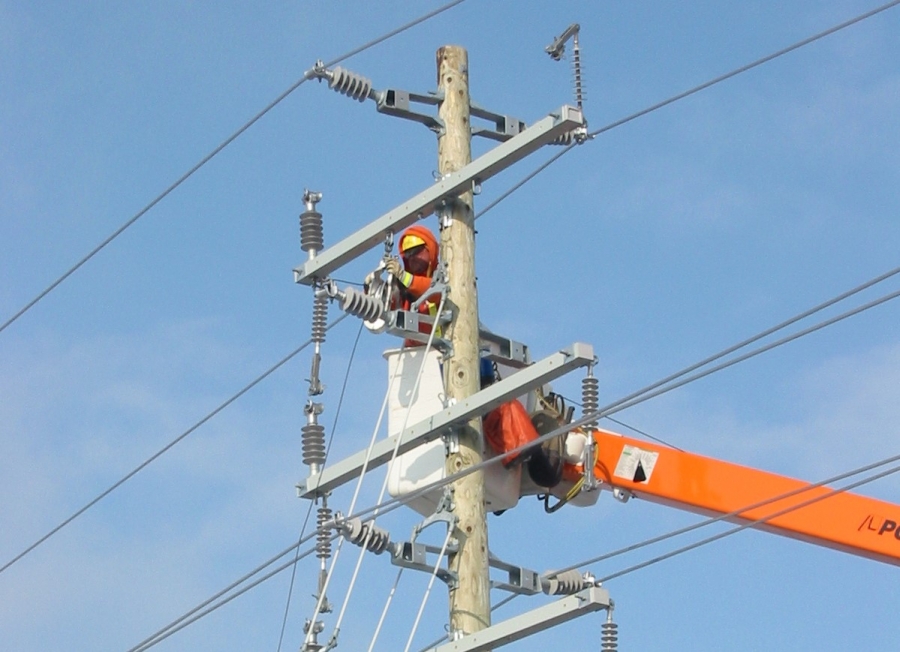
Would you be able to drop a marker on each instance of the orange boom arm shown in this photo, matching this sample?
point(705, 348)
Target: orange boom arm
point(843, 521)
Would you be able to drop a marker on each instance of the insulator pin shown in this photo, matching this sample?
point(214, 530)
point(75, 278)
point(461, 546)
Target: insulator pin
point(567, 583)
point(351, 84)
point(313, 438)
point(313, 444)
point(311, 232)
point(359, 304)
point(356, 532)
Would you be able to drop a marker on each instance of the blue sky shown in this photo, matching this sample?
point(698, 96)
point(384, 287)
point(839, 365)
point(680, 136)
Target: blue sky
point(660, 242)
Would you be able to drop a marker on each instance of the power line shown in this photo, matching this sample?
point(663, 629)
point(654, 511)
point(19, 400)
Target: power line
point(167, 447)
point(688, 93)
point(228, 588)
point(184, 177)
point(644, 395)
point(184, 621)
point(745, 68)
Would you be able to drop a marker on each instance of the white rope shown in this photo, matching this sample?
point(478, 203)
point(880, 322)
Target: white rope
point(384, 611)
point(321, 599)
point(428, 590)
point(387, 476)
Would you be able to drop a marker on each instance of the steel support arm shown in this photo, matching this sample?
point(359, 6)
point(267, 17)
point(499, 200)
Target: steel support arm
point(524, 380)
point(536, 620)
point(428, 201)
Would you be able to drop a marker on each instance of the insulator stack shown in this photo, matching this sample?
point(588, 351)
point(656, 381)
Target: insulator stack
point(359, 304)
point(313, 438)
point(567, 583)
point(609, 636)
point(319, 318)
point(576, 73)
point(590, 398)
point(357, 532)
point(311, 234)
point(349, 83)
point(323, 536)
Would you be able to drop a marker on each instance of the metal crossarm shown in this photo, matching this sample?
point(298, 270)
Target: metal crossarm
point(428, 201)
point(536, 620)
point(524, 380)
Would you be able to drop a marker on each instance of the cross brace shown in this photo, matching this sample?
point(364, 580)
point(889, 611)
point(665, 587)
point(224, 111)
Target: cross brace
point(524, 380)
point(536, 620)
point(447, 189)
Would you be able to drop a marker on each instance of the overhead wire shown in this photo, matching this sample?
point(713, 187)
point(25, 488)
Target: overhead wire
point(309, 74)
point(197, 614)
point(680, 96)
point(745, 68)
point(165, 633)
point(166, 448)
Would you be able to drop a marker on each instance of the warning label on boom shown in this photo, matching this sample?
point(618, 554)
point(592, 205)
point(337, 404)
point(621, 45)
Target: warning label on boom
point(635, 464)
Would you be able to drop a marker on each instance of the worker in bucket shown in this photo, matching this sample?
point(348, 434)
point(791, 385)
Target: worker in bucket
point(413, 272)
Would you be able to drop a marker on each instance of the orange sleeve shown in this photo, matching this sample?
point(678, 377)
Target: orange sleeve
point(418, 286)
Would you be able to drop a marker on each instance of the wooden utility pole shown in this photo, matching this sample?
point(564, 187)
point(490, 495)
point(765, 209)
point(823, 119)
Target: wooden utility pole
point(470, 605)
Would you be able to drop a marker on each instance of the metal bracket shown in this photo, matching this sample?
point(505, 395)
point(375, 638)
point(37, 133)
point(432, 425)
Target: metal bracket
point(526, 624)
point(505, 126)
point(524, 380)
point(395, 102)
point(406, 324)
point(443, 514)
point(503, 350)
point(520, 580)
point(426, 202)
point(451, 443)
point(411, 554)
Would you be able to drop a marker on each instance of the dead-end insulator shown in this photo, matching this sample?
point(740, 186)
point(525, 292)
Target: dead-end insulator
point(349, 83)
point(311, 233)
point(567, 583)
point(359, 304)
point(366, 534)
point(313, 438)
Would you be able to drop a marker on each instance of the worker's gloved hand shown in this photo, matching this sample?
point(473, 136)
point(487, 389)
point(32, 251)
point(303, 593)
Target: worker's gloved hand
point(394, 266)
point(370, 278)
